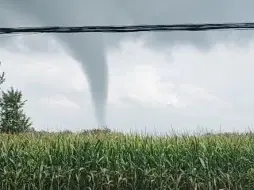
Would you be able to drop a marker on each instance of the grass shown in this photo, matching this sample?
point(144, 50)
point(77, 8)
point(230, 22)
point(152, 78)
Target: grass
point(116, 161)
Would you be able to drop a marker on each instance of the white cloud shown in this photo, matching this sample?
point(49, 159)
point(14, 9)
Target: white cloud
point(60, 102)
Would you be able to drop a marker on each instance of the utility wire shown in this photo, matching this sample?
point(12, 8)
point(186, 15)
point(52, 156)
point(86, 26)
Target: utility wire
point(133, 28)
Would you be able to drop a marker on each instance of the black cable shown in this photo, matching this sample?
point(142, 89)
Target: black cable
point(134, 28)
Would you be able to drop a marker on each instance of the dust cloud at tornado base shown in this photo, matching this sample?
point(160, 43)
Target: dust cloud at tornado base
point(90, 49)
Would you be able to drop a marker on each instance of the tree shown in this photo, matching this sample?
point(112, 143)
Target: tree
point(2, 76)
point(12, 116)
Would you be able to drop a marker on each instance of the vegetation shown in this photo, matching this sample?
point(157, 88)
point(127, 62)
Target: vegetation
point(114, 161)
point(12, 116)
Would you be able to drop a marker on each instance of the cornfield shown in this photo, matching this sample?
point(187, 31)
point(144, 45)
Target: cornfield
point(116, 161)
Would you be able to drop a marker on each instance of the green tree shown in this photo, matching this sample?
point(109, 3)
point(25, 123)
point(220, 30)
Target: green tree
point(12, 116)
point(2, 76)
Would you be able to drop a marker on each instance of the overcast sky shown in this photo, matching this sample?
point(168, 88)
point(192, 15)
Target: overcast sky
point(153, 87)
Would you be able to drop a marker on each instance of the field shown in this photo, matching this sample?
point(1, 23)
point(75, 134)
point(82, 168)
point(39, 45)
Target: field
point(116, 161)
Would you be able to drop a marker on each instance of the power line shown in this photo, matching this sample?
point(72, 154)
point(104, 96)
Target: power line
point(133, 28)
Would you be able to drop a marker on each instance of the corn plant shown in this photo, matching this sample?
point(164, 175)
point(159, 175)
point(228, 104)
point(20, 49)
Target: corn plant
point(115, 161)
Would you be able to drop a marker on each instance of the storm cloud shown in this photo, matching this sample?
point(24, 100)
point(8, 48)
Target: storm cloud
point(90, 49)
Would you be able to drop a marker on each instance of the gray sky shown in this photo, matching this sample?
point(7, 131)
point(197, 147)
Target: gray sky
point(155, 80)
